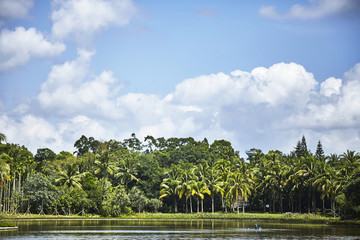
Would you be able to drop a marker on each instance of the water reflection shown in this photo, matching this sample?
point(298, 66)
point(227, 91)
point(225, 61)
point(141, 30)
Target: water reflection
point(100, 229)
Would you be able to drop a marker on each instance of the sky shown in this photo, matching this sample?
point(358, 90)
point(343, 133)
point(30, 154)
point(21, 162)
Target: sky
point(260, 74)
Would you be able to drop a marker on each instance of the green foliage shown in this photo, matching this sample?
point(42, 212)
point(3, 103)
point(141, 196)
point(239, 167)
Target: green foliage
point(112, 178)
point(91, 185)
point(350, 202)
point(154, 204)
point(116, 202)
point(7, 224)
point(40, 193)
point(76, 201)
point(138, 199)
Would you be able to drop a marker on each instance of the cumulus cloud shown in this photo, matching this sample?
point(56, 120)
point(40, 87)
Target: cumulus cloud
point(79, 20)
point(282, 83)
point(315, 9)
point(31, 130)
point(19, 46)
point(10, 9)
point(342, 113)
point(268, 108)
point(331, 86)
point(71, 89)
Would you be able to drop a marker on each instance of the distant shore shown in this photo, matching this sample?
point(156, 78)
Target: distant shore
point(277, 217)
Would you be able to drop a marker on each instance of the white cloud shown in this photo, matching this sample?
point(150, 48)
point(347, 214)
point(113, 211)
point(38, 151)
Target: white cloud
point(282, 83)
point(330, 86)
point(35, 132)
point(341, 113)
point(315, 9)
point(79, 20)
point(71, 89)
point(19, 46)
point(15, 8)
point(268, 108)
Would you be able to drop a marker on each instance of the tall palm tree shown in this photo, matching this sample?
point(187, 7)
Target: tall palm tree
point(223, 169)
point(69, 177)
point(2, 138)
point(213, 181)
point(329, 182)
point(349, 161)
point(169, 184)
point(127, 167)
point(185, 184)
point(241, 183)
point(105, 165)
point(199, 188)
point(4, 169)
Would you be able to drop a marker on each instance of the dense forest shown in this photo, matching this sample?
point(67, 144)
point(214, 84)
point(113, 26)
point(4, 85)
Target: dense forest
point(110, 178)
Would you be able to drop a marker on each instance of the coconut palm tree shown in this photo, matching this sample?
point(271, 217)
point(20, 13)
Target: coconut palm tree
point(213, 181)
point(330, 182)
point(69, 177)
point(241, 182)
point(185, 184)
point(127, 169)
point(199, 188)
point(2, 138)
point(169, 185)
point(105, 165)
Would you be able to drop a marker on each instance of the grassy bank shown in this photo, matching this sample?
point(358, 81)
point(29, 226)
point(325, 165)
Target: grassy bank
point(7, 224)
point(285, 217)
point(278, 217)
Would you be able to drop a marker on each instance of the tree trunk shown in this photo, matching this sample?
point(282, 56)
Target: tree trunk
point(323, 206)
point(264, 203)
point(225, 205)
point(243, 205)
point(202, 205)
point(191, 210)
point(309, 200)
point(12, 193)
point(333, 206)
point(175, 205)
point(281, 203)
point(198, 205)
point(212, 203)
point(300, 202)
point(313, 201)
point(222, 203)
point(186, 203)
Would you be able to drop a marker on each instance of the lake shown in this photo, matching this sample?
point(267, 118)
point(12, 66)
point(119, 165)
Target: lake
point(174, 229)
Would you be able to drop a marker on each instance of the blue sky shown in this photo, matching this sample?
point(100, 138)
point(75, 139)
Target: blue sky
point(257, 73)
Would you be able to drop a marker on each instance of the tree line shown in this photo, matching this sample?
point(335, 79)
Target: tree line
point(111, 178)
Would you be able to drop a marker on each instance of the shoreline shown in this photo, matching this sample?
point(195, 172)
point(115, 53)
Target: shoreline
point(282, 218)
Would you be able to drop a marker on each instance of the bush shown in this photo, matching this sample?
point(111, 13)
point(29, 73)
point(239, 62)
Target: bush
point(116, 202)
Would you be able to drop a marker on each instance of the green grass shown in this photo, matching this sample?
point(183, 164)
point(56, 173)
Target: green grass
point(277, 217)
point(7, 224)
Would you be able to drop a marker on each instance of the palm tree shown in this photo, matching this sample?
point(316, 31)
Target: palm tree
point(213, 181)
point(169, 184)
point(70, 177)
point(185, 184)
point(223, 169)
point(241, 183)
point(274, 175)
point(309, 169)
point(329, 182)
point(349, 161)
point(104, 164)
point(2, 138)
point(127, 167)
point(199, 188)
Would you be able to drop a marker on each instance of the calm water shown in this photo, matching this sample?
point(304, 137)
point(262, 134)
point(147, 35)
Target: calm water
point(179, 229)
